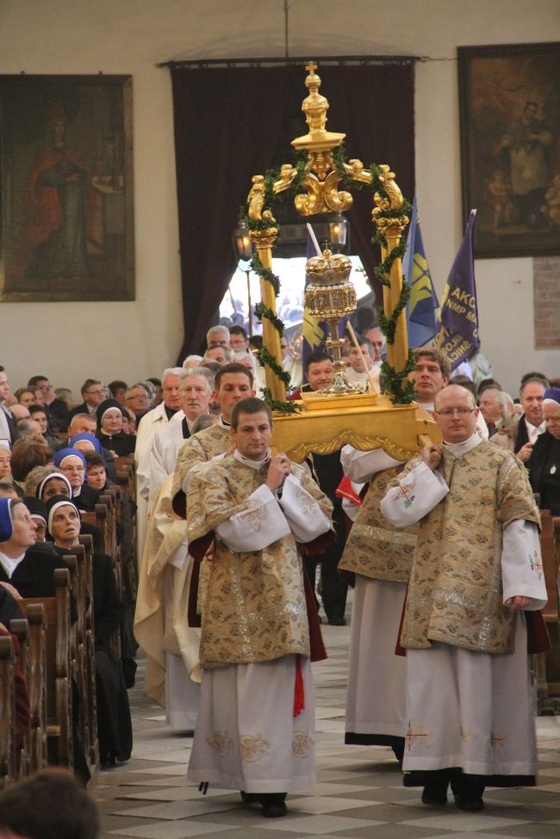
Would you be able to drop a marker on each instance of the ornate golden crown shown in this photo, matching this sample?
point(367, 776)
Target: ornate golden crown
point(328, 269)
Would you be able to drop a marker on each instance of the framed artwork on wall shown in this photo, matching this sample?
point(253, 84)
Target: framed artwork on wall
point(509, 104)
point(66, 188)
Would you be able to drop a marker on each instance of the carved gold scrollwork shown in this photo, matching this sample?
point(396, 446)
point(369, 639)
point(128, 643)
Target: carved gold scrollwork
point(287, 175)
point(394, 199)
point(311, 202)
point(322, 196)
point(355, 169)
point(339, 202)
point(256, 197)
point(264, 239)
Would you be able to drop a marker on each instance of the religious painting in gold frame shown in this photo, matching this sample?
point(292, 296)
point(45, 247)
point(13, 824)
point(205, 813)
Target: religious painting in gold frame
point(66, 188)
point(509, 98)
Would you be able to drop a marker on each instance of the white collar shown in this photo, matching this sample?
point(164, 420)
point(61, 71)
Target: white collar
point(253, 464)
point(459, 449)
point(9, 564)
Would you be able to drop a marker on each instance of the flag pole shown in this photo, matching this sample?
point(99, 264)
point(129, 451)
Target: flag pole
point(313, 238)
point(372, 382)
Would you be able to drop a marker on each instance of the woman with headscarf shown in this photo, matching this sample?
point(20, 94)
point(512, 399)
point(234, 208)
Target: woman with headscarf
point(85, 442)
point(29, 571)
point(113, 711)
point(109, 429)
point(53, 483)
point(38, 512)
point(50, 482)
point(72, 463)
point(9, 610)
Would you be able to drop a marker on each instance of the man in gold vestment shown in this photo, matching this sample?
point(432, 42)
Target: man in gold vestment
point(255, 730)
point(476, 573)
point(161, 625)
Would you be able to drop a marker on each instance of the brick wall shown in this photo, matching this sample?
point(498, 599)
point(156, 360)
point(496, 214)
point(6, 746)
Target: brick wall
point(546, 302)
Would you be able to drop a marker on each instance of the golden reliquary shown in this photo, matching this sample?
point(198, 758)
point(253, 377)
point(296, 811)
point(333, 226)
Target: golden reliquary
point(341, 414)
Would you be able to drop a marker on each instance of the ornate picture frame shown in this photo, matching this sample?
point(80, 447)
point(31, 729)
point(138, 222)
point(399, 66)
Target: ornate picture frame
point(66, 188)
point(509, 107)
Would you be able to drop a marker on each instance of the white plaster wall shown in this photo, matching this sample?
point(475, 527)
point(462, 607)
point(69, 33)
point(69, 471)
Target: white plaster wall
point(70, 341)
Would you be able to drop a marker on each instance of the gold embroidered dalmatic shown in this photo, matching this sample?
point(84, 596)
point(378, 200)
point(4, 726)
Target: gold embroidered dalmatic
point(374, 548)
point(254, 602)
point(200, 448)
point(455, 589)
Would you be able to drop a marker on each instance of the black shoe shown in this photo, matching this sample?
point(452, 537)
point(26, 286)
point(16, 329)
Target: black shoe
point(434, 794)
point(273, 804)
point(337, 621)
point(468, 791)
point(469, 803)
point(274, 811)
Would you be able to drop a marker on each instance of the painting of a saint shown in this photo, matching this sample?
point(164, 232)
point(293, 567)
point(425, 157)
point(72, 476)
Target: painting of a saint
point(510, 142)
point(66, 190)
point(58, 190)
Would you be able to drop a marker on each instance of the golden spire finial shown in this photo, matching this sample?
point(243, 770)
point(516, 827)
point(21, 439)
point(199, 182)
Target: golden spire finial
point(315, 107)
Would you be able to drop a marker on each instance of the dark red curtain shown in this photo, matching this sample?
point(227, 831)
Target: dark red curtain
point(234, 122)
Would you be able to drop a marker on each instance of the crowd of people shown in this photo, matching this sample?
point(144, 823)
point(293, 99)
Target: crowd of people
point(243, 553)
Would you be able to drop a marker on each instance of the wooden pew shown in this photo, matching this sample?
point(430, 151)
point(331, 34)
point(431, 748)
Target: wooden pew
point(8, 760)
point(126, 473)
point(58, 668)
point(75, 559)
point(32, 638)
point(126, 538)
point(99, 518)
point(126, 574)
point(84, 554)
point(547, 665)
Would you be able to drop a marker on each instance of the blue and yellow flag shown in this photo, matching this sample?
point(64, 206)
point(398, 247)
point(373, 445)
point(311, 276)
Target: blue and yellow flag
point(423, 303)
point(458, 333)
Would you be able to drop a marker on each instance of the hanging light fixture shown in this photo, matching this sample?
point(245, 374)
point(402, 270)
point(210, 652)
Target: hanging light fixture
point(242, 241)
point(338, 230)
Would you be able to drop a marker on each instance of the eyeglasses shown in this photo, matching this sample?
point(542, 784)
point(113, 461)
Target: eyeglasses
point(450, 412)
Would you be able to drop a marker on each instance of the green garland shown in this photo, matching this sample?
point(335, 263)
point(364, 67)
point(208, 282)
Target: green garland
point(268, 360)
point(263, 311)
point(281, 407)
point(396, 385)
point(389, 325)
point(265, 274)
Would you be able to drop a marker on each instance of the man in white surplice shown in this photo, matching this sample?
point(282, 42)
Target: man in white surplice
point(476, 575)
point(150, 424)
point(255, 730)
point(195, 391)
